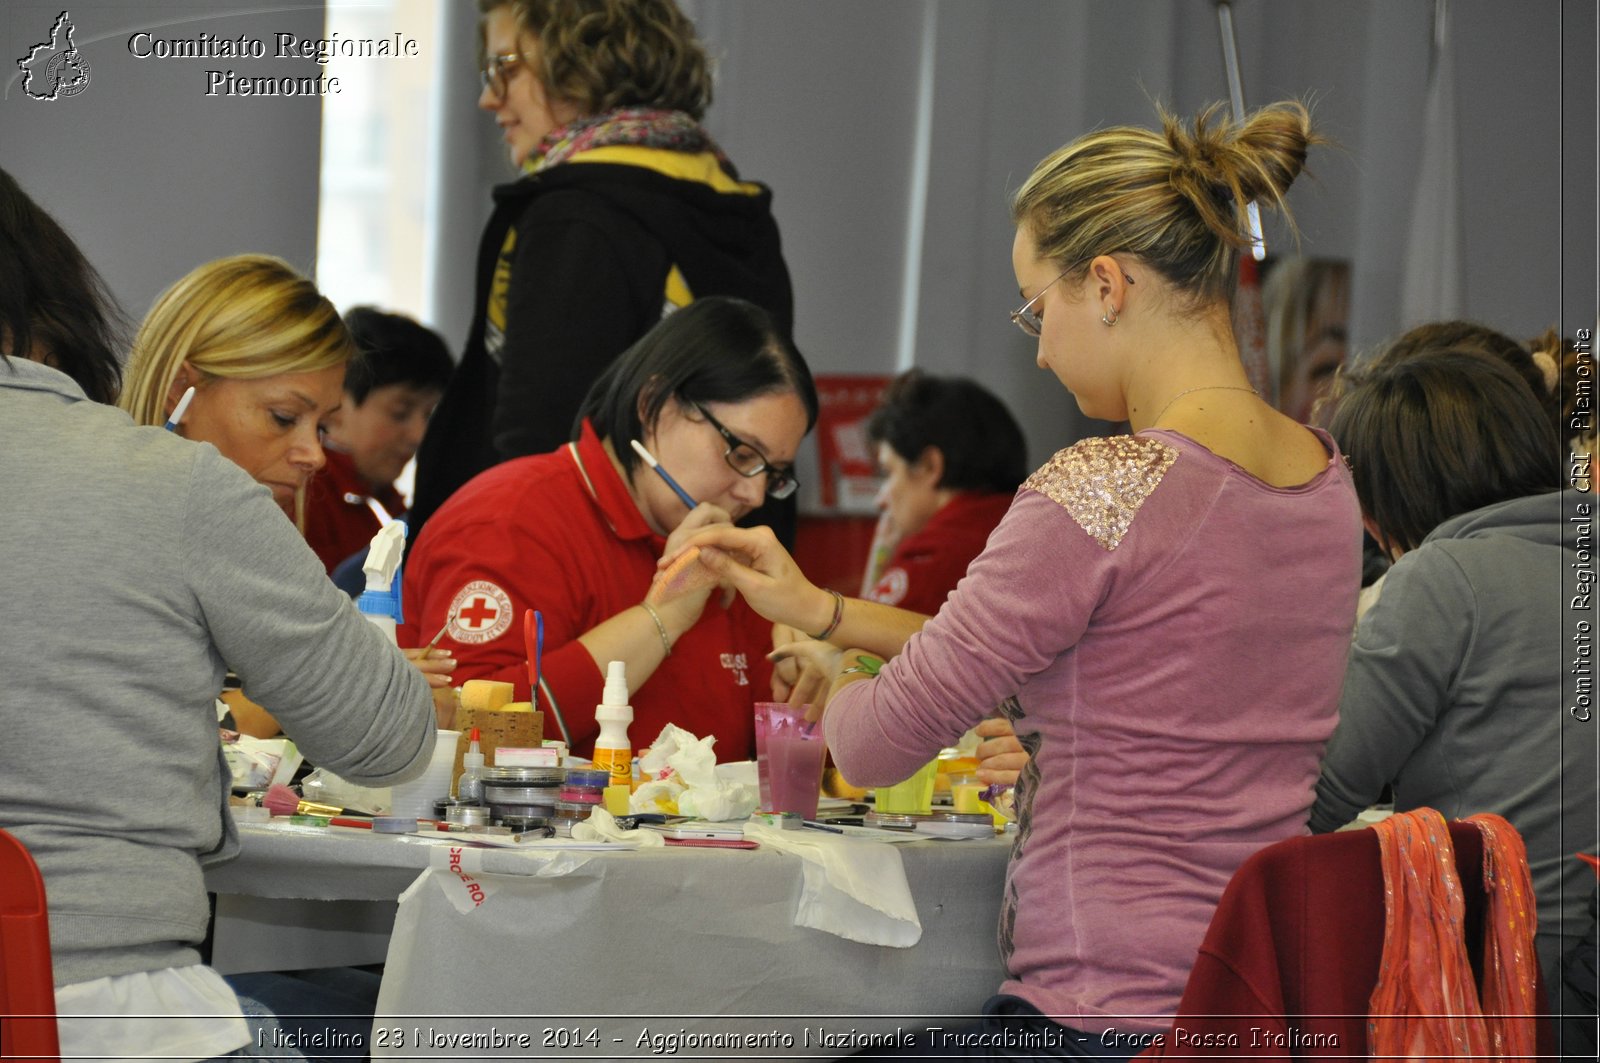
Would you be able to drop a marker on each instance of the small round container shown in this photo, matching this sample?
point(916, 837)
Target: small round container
point(582, 795)
point(597, 777)
point(562, 825)
point(957, 825)
point(890, 820)
point(522, 824)
point(498, 812)
point(467, 815)
point(575, 809)
point(522, 775)
point(521, 795)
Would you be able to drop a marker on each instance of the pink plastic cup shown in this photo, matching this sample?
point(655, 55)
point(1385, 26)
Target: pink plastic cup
point(789, 755)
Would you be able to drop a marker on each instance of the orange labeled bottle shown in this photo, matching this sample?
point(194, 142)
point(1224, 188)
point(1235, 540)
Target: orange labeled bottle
point(612, 752)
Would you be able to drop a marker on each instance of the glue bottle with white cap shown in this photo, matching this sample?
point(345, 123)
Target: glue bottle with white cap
point(469, 788)
point(611, 750)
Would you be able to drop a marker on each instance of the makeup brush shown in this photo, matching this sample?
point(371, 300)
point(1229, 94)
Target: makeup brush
point(434, 644)
point(650, 460)
point(282, 801)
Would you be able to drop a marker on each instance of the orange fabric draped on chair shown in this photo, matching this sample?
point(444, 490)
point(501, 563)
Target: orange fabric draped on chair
point(1427, 1003)
point(1304, 958)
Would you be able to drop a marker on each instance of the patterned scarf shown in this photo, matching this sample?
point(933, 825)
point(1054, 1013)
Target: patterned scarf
point(635, 126)
point(1425, 1005)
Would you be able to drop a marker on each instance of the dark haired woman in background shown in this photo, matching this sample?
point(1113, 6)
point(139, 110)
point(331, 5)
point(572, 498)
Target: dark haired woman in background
point(626, 210)
point(952, 457)
point(722, 399)
point(1453, 688)
point(54, 308)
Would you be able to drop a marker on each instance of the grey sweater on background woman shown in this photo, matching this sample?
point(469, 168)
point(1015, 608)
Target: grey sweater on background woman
point(1453, 694)
point(133, 564)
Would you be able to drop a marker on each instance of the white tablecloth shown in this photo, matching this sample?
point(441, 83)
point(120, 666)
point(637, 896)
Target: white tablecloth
point(620, 953)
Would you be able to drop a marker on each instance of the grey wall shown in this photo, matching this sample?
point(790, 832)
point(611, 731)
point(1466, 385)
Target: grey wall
point(820, 100)
point(891, 132)
point(147, 173)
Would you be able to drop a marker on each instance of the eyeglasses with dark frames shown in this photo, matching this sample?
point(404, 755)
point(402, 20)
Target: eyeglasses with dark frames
point(1024, 316)
point(493, 72)
point(747, 460)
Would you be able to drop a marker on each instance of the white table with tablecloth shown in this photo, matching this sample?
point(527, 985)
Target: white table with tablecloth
point(589, 955)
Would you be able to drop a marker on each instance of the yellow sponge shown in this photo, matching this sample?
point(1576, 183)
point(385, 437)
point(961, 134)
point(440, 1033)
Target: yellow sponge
point(486, 694)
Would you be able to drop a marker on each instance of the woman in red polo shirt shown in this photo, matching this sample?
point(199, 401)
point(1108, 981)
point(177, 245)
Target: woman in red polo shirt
point(952, 457)
point(719, 395)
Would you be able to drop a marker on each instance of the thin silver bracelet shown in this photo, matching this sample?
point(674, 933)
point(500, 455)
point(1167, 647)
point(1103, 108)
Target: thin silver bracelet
point(661, 629)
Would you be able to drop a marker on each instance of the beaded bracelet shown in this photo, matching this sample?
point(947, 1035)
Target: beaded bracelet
point(661, 629)
point(838, 615)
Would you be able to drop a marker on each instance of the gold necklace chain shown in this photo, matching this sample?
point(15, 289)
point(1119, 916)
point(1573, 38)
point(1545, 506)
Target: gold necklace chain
point(1203, 387)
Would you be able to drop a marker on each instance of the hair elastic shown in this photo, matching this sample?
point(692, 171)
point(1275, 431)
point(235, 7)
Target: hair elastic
point(838, 614)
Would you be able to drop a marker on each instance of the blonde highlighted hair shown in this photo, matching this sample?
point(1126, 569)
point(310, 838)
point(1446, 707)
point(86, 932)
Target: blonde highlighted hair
point(604, 54)
point(1175, 198)
point(243, 318)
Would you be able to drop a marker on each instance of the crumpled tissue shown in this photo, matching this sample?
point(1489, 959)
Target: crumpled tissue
point(601, 826)
point(685, 781)
point(855, 888)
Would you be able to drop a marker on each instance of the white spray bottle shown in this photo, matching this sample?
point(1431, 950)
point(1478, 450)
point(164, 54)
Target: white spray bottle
point(380, 602)
point(611, 750)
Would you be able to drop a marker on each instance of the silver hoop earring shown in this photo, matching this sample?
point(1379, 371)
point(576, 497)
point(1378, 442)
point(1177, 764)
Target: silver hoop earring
point(1110, 316)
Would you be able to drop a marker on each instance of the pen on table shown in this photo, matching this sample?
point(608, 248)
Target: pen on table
point(179, 410)
point(814, 825)
point(650, 460)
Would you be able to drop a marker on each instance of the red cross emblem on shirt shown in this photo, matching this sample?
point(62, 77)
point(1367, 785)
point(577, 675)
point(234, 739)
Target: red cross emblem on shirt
point(480, 612)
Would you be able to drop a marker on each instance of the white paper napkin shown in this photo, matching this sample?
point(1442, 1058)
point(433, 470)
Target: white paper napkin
point(601, 826)
point(854, 887)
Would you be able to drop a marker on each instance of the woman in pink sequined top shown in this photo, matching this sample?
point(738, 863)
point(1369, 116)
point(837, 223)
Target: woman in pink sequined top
point(1164, 615)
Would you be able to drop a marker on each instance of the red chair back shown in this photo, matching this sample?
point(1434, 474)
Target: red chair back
point(1294, 947)
point(27, 987)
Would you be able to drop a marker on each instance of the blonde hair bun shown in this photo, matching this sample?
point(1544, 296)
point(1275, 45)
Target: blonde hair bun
point(1220, 165)
point(1176, 198)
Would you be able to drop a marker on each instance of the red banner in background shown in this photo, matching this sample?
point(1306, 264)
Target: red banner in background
point(849, 466)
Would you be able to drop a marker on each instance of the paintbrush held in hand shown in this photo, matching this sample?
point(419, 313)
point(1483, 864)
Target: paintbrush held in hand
point(282, 801)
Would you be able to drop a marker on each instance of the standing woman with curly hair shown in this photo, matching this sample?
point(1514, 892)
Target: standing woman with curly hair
point(625, 211)
point(1163, 616)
